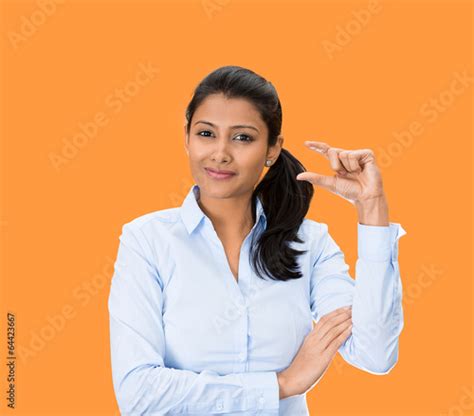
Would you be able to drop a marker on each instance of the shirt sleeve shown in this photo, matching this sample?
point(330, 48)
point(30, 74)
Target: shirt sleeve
point(142, 383)
point(375, 294)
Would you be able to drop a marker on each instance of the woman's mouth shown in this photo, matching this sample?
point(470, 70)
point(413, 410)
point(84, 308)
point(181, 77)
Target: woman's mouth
point(217, 175)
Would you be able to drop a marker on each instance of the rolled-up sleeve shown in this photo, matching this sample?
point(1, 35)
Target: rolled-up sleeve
point(142, 383)
point(375, 294)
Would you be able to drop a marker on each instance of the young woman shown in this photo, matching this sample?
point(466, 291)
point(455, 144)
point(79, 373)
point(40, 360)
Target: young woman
point(212, 303)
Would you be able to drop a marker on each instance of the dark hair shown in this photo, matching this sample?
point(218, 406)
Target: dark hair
point(285, 199)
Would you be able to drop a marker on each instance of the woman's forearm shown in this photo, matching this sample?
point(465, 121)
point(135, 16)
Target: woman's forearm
point(373, 211)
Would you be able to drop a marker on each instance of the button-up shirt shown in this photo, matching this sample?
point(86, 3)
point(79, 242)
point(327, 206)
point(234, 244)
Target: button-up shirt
point(188, 338)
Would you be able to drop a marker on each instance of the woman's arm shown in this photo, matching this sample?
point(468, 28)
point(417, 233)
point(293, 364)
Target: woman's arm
point(141, 382)
point(375, 294)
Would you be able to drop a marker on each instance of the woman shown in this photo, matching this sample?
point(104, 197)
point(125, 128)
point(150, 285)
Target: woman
point(212, 303)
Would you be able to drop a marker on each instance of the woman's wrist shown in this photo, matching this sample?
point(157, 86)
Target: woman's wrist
point(282, 383)
point(373, 211)
point(286, 387)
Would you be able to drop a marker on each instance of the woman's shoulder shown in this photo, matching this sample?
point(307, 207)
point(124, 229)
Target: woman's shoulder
point(150, 232)
point(152, 224)
point(315, 234)
point(313, 229)
point(167, 215)
point(312, 235)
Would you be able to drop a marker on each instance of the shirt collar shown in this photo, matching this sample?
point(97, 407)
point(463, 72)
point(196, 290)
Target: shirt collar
point(192, 214)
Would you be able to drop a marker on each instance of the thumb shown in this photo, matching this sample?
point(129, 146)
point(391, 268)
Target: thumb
point(317, 179)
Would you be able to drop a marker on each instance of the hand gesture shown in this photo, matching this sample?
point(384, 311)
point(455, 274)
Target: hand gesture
point(357, 178)
point(316, 353)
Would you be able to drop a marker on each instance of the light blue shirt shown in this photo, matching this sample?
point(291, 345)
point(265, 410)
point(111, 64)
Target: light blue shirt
point(188, 338)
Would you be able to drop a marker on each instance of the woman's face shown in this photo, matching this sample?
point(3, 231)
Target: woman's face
point(215, 142)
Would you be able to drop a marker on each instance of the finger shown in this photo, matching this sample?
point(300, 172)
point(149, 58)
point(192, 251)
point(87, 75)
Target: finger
point(357, 158)
point(320, 147)
point(330, 153)
point(325, 331)
point(354, 161)
point(335, 332)
point(335, 312)
point(343, 156)
point(331, 325)
point(339, 340)
point(363, 157)
point(335, 162)
point(328, 182)
point(326, 317)
point(334, 184)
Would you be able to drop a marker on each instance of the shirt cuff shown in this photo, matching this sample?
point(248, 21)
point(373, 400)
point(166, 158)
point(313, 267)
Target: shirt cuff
point(263, 388)
point(379, 243)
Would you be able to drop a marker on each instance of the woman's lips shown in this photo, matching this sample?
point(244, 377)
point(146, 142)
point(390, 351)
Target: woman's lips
point(216, 175)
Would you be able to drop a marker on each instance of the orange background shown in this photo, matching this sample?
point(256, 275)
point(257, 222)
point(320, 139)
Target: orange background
point(391, 75)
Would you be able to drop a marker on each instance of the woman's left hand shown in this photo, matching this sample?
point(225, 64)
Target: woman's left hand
point(357, 179)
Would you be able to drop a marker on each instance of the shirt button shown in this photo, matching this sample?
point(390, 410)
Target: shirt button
point(219, 406)
point(242, 356)
point(261, 401)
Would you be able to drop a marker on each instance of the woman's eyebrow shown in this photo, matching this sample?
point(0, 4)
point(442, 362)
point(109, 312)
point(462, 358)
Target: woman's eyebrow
point(238, 126)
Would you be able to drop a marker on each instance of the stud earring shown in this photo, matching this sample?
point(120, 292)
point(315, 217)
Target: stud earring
point(268, 163)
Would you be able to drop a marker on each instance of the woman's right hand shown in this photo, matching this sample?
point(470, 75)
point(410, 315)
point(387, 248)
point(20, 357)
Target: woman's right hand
point(316, 353)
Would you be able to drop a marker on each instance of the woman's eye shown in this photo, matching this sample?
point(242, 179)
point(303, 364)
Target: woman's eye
point(247, 138)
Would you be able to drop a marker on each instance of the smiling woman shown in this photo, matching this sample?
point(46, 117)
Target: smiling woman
point(212, 303)
point(233, 123)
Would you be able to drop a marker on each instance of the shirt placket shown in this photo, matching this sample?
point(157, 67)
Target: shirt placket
point(238, 291)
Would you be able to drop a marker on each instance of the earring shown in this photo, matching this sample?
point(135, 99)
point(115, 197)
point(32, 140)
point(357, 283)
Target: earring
point(268, 163)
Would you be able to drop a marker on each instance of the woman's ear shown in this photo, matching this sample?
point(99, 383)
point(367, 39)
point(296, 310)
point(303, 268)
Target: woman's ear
point(274, 151)
point(280, 140)
point(186, 137)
